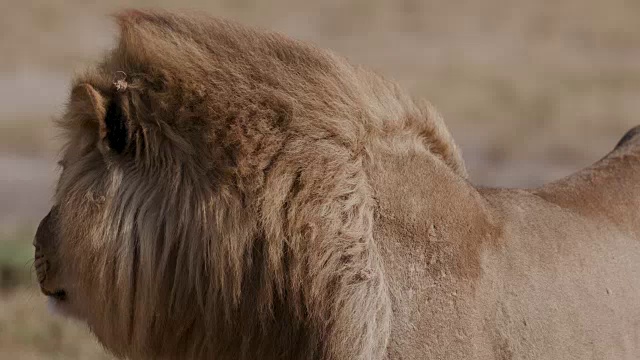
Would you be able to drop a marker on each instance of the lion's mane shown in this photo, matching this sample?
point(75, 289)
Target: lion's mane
point(238, 216)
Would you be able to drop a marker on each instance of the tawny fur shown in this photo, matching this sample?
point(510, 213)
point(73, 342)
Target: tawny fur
point(272, 201)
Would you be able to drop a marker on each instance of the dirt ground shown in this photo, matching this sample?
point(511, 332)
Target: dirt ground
point(532, 91)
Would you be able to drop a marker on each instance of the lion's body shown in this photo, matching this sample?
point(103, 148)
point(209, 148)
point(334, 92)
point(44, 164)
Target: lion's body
point(246, 196)
point(553, 279)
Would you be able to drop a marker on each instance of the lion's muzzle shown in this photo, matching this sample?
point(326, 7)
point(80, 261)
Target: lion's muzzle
point(45, 259)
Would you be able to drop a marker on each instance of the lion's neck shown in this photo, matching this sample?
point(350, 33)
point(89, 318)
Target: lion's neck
point(430, 229)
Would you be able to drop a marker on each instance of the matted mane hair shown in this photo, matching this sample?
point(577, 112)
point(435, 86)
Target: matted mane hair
point(231, 208)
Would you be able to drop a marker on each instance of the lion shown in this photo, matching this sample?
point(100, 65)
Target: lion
point(230, 193)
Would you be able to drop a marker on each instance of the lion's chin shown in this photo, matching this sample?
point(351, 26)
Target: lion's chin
point(56, 307)
point(60, 308)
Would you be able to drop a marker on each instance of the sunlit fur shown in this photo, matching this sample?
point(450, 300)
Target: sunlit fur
point(239, 218)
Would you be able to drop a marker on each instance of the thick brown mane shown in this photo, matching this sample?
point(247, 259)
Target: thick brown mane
point(241, 194)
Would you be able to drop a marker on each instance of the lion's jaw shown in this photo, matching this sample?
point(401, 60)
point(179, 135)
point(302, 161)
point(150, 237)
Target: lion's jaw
point(59, 308)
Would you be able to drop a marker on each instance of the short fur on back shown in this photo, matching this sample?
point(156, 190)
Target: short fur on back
point(238, 217)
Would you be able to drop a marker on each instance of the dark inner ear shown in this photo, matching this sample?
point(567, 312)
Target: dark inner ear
point(115, 122)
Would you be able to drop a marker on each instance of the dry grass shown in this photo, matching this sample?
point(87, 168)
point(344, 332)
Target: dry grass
point(28, 331)
point(532, 90)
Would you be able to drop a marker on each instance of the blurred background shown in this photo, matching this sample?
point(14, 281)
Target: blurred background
point(531, 90)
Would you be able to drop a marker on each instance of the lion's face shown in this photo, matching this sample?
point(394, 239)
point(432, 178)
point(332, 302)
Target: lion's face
point(47, 259)
point(63, 243)
point(57, 268)
point(127, 200)
point(106, 252)
point(74, 256)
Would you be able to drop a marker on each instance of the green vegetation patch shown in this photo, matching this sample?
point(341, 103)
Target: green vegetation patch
point(16, 260)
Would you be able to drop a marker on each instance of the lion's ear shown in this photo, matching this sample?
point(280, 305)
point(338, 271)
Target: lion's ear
point(88, 102)
point(110, 114)
point(114, 129)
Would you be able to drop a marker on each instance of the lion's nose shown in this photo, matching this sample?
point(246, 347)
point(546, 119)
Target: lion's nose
point(41, 264)
point(45, 244)
point(42, 244)
point(45, 236)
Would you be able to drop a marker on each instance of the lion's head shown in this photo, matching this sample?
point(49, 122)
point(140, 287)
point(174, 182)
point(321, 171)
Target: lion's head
point(213, 199)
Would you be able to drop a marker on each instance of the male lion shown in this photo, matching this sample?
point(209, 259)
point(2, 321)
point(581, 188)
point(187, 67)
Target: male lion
point(234, 194)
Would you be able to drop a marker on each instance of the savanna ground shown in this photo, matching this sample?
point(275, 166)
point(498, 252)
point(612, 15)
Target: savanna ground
point(532, 90)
